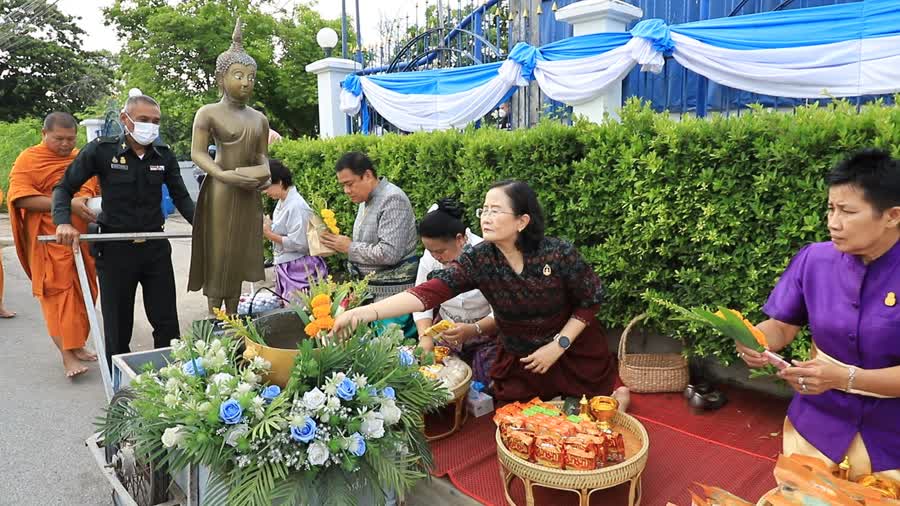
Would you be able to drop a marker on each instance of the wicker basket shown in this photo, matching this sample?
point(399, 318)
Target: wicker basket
point(651, 372)
point(582, 482)
point(462, 388)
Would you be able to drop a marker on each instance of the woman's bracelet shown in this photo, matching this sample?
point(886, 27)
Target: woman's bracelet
point(478, 329)
point(851, 375)
point(376, 315)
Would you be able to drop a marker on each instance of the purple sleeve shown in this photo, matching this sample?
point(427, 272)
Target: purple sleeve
point(787, 303)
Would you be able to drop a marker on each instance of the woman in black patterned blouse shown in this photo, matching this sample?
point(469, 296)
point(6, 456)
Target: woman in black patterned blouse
point(544, 295)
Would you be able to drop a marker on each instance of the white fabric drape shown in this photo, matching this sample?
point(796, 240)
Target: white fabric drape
point(868, 66)
point(581, 80)
point(421, 112)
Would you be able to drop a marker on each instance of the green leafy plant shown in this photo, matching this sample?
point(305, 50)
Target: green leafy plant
point(349, 422)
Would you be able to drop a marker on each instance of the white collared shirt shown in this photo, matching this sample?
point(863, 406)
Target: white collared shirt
point(467, 307)
point(289, 221)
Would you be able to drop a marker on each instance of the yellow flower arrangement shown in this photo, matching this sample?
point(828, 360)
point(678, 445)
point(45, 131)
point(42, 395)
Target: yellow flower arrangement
point(330, 220)
point(322, 311)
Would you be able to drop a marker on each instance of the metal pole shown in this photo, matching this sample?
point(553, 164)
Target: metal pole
point(358, 36)
point(348, 124)
point(344, 29)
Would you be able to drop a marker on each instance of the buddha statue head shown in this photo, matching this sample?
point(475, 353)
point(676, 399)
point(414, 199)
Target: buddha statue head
point(235, 69)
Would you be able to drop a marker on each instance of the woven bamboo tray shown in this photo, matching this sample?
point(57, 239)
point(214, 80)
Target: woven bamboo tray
point(651, 372)
point(458, 400)
point(584, 483)
point(763, 501)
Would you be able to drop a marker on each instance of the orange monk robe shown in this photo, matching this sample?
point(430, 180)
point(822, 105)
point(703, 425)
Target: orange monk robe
point(51, 266)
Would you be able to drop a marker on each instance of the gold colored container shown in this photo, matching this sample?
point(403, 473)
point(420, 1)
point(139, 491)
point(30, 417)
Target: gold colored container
point(282, 360)
point(604, 409)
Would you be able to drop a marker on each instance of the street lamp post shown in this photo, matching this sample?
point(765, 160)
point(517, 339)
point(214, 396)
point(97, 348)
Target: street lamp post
point(327, 38)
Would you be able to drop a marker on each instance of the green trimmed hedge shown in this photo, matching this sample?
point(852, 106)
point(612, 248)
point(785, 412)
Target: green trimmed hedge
point(700, 212)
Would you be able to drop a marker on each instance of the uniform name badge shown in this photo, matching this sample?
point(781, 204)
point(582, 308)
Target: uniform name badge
point(157, 168)
point(121, 165)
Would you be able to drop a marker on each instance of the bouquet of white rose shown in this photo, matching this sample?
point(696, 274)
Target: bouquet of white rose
point(350, 418)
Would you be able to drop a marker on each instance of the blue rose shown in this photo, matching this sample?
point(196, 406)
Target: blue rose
point(194, 368)
point(304, 433)
point(372, 391)
point(231, 412)
point(270, 392)
point(406, 358)
point(346, 389)
point(388, 393)
point(357, 445)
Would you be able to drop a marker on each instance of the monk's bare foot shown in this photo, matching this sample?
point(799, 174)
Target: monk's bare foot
point(5, 313)
point(72, 365)
point(623, 395)
point(85, 355)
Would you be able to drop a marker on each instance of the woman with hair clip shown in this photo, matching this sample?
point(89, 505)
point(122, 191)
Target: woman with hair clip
point(544, 296)
point(445, 237)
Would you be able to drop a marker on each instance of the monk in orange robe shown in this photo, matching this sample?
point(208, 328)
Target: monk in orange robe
point(4, 313)
point(51, 266)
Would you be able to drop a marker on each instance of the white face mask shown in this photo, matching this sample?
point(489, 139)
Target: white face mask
point(502, 113)
point(144, 133)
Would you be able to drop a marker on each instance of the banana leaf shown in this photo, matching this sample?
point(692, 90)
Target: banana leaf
point(726, 322)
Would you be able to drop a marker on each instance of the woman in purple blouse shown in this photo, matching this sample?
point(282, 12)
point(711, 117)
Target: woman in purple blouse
point(847, 401)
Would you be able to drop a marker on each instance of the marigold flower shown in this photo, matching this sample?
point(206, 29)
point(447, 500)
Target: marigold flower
point(326, 323)
point(320, 300)
point(327, 214)
point(322, 311)
point(312, 329)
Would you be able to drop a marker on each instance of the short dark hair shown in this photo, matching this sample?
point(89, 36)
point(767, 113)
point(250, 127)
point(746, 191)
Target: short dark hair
point(140, 99)
point(280, 174)
point(524, 201)
point(445, 222)
point(356, 162)
point(56, 120)
point(875, 173)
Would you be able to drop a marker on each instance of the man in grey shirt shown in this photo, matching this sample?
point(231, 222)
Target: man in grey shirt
point(384, 233)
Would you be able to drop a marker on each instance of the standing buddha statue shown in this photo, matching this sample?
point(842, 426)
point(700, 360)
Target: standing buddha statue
point(227, 244)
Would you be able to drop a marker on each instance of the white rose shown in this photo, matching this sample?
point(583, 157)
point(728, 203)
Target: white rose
point(231, 438)
point(222, 377)
point(334, 403)
point(172, 436)
point(317, 453)
point(314, 399)
point(390, 412)
point(243, 388)
point(372, 426)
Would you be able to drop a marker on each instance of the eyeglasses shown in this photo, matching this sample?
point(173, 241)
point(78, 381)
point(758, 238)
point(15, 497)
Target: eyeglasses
point(487, 212)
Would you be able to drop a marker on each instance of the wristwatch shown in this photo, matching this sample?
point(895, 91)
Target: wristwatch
point(562, 341)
